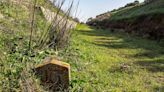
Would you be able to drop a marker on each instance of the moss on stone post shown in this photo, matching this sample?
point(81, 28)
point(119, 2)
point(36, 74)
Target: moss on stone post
point(54, 74)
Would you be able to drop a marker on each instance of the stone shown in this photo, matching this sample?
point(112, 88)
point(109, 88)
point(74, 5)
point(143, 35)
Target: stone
point(54, 74)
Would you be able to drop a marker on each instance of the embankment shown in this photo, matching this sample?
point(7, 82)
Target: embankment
point(151, 26)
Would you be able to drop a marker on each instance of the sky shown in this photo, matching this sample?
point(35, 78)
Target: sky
point(91, 8)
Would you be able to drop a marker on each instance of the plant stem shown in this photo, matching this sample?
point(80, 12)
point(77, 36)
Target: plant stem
point(32, 24)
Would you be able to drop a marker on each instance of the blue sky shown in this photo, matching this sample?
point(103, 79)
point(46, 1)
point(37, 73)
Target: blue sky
point(91, 8)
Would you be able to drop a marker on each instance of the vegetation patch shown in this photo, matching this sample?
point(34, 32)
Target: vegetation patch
point(115, 62)
point(144, 20)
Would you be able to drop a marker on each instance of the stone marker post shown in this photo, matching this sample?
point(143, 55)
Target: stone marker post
point(54, 74)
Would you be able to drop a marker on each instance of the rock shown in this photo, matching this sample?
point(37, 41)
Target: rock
point(54, 74)
point(125, 67)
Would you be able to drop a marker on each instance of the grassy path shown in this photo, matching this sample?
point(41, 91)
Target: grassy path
point(117, 63)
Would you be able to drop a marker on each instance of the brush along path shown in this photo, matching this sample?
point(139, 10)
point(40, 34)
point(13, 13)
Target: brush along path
point(116, 62)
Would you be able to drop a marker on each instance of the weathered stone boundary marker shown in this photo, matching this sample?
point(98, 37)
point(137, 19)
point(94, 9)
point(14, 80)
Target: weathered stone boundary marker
point(54, 74)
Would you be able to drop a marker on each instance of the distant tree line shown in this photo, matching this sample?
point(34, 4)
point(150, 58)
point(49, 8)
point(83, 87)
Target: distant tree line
point(149, 1)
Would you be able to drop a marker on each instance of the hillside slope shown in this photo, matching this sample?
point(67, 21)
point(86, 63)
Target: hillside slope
point(144, 20)
point(156, 7)
point(25, 42)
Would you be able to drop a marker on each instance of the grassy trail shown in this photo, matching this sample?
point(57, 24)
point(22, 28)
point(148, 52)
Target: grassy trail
point(117, 62)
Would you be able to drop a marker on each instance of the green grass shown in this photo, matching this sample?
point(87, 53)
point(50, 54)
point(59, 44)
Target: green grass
point(156, 7)
point(100, 60)
point(15, 61)
point(103, 61)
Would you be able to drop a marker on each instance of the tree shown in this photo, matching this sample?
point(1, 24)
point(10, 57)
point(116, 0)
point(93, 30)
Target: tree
point(90, 19)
